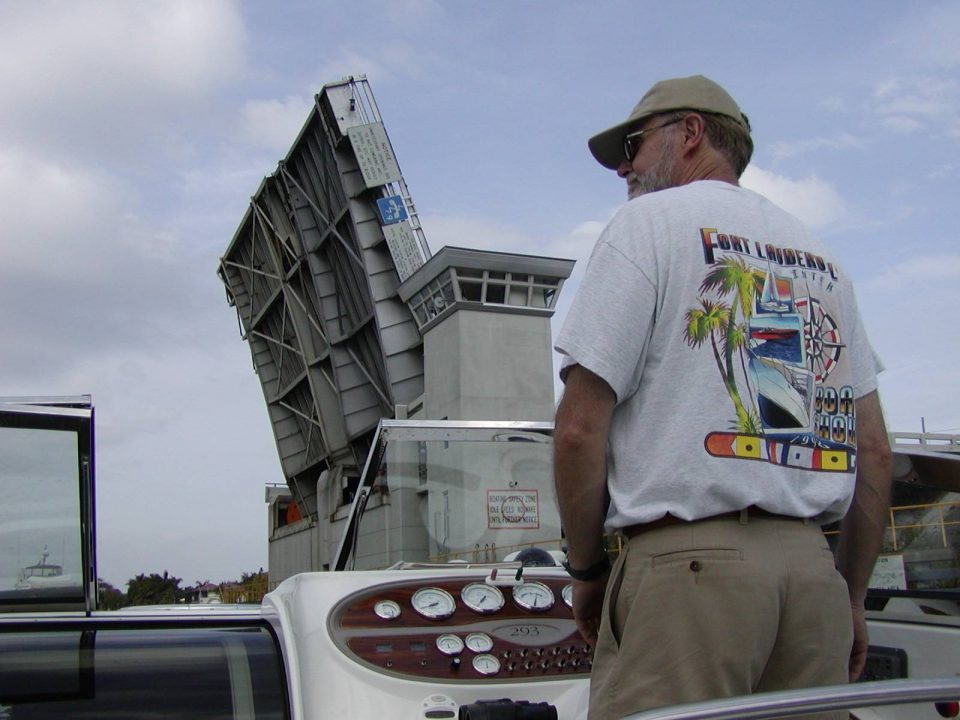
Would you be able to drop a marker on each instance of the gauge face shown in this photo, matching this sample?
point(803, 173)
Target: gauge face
point(479, 642)
point(567, 594)
point(387, 609)
point(433, 603)
point(450, 644)
point(486, 664)
point(533, 595)
point(482, 598)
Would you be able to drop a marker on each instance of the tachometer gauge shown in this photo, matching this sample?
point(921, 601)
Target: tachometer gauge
point(479, 642)
point(450, 644)
point(486, 664)
point(387, 609)
point(433, 603)
point(482, 598)
point(533, 595)
point(567, 595)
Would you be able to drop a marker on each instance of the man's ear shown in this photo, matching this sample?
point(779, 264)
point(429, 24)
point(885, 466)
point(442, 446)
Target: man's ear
point(693, 127)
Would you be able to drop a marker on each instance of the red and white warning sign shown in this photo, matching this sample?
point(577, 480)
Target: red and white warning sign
point(513, 509)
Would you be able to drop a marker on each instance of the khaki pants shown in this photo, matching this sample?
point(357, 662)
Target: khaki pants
point(716, 608)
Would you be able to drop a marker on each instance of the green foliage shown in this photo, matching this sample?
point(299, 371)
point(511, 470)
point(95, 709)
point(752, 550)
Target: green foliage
point(110, 598)
point(254, 576)
point(154, 589)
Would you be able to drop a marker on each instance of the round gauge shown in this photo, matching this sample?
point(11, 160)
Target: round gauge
point(482, 598)
point(567, 595)
point(486, 664)
point(479, 642)
point(433, 603)
point(450, 644)
point(533, 595)
point(387, 609)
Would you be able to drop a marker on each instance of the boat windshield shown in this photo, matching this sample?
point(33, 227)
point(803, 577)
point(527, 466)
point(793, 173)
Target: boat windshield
point(45, 468)
point(439, 492)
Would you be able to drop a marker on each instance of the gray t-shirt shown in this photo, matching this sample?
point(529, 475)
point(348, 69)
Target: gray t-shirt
point(732, 339)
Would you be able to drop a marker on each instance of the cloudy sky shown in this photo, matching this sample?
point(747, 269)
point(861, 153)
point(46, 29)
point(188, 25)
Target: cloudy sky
point(132, 135)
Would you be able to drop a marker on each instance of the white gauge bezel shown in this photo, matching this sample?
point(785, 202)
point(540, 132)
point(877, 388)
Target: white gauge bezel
point(457, 647)
point(567, 595)
point(382, 611)
point(479, 642)
point(492, 591)
point(545, 591)
point(433, 613)
point(479, 664)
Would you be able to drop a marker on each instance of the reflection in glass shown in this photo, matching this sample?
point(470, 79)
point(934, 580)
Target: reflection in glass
point(40, 541)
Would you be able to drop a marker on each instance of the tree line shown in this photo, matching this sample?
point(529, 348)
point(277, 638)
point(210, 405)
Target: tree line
point(156, 589)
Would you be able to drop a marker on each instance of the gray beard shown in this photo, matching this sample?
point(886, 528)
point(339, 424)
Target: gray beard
point(656, 178)
point(651, 181)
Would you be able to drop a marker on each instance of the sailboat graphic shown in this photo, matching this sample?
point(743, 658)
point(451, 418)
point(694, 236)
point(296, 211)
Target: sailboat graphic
point(770, 300)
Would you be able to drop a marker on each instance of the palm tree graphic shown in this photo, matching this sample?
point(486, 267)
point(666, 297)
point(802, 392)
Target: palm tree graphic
point(715, 319)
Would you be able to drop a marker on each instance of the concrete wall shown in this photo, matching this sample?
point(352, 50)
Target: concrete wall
point(489, 365)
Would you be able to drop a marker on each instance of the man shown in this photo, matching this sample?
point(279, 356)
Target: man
point(720, 405)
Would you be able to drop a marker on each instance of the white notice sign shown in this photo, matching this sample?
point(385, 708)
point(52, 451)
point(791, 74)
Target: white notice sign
point(889, 573)
point(403, 249)
point(512, 509)
point(374, 154)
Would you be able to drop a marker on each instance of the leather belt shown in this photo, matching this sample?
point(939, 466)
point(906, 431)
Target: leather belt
point(669, 520)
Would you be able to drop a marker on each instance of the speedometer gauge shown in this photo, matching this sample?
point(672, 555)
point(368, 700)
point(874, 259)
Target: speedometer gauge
point(533, 595)
point(387, 610)
point(479, 642)
point(450, 644)
point(482, 598)
point(433, 603)
point(486, 664)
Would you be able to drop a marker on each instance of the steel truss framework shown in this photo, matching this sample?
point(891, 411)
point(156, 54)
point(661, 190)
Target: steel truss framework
point(315, 288)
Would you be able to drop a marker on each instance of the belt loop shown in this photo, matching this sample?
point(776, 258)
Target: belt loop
point(743, 516)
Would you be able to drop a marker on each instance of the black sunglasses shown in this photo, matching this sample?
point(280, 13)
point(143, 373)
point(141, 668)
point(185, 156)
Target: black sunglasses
point(632, 141)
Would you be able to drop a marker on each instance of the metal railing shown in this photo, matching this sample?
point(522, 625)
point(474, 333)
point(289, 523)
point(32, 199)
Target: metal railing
point(941, 522)
point(941, 442)
point(788, 703)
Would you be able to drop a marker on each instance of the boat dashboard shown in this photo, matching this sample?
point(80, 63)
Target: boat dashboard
point(463, 629)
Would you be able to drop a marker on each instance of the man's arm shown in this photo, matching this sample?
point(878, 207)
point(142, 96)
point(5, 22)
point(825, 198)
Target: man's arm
point(861, 533)
point(580, 476)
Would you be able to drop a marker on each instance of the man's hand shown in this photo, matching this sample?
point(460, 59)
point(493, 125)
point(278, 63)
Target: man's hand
point(588, 606)
point(861, 641)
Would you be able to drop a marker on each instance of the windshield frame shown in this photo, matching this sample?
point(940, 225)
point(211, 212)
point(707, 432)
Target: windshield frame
point(427, 431)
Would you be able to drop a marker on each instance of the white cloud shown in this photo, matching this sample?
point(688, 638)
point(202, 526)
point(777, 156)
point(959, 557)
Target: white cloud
point(103, 77)
point(485, 233)
point(50, 226)
point(906, 309)
point(811, 199)
point(783, 150)
point(386, 62)
point(908, 103)
point(273, 124)
point(919, 272)
point(157, 49)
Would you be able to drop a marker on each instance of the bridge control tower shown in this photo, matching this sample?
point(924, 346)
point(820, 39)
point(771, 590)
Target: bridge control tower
point(351, 319)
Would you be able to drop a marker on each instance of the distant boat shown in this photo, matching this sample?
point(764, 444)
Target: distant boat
point(44, 575)
point(770, 300)
point(773, 333)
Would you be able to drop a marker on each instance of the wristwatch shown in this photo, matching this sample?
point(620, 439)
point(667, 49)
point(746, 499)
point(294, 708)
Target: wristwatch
point(591, 573)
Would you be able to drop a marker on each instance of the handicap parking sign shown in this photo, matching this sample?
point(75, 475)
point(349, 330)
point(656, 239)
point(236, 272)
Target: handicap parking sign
point(391, 209)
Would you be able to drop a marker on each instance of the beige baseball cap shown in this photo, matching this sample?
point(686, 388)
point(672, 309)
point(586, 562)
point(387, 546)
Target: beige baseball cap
point(688, 93)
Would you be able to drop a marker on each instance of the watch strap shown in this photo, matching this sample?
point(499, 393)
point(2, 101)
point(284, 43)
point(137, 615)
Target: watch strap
point(591, 573)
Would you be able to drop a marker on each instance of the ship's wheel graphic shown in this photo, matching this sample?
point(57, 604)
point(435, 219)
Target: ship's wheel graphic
point(821, 337)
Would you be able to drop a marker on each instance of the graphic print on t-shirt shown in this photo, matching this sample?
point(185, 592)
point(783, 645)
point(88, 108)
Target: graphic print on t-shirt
point(775, 345)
